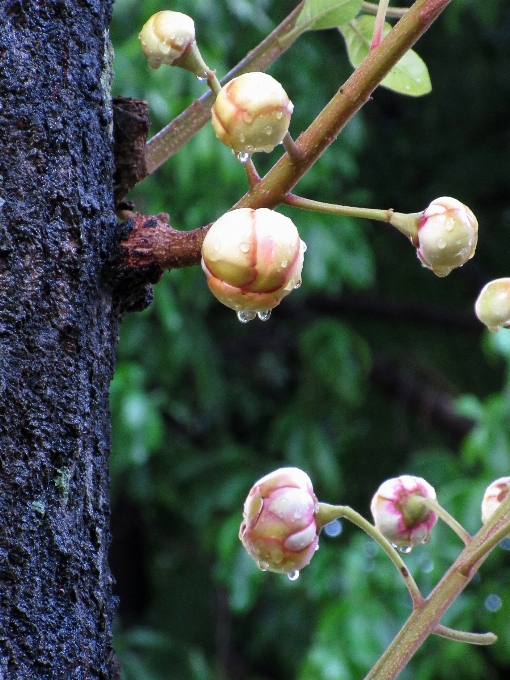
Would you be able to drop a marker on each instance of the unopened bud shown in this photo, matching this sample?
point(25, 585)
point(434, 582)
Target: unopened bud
point(252, 113)
point(494, 495)
point(252, 259)
point(447, 235)
point(279, 528)
point(493, 305)
point(399, 511)
point(166, 36)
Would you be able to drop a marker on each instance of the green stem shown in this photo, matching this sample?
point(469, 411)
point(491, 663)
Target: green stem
point(423, 621)
point(327, 513)
point(448, 519)
point(391, 12)
point(380, 17)
point(333, 209)
point(175, 135)
point(285, 174)
point(462, 636)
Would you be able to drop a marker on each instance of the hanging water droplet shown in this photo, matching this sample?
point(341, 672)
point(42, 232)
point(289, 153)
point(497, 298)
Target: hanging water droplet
point(426, 539)
point(293, 575)
point(249, 148)
point(297, 284)
point(264, 316)
point(246, 316)
point(244, 247)
point(202, 78)
point(405, 549)
point(441, 244)
point(263, 566)
point(304, 246)
point(243, 157)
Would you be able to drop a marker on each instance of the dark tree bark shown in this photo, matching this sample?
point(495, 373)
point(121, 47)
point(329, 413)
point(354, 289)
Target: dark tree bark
point(57, 336)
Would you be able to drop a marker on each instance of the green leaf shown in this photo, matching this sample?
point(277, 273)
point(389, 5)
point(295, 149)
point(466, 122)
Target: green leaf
point(318, 14)
point(410, 75)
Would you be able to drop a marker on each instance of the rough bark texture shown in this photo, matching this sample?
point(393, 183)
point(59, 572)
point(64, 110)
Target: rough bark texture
point(57, 338)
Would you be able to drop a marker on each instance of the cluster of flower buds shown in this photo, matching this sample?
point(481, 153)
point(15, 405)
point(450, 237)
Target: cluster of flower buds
point(400, 514)
point(447, 235)
point(166, 36)
point(494, 495)
point(279, 527)
point(251, 113)
point(252, 259)
point(493, 305)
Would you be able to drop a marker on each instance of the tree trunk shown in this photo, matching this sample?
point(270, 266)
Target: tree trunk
point(57, 337)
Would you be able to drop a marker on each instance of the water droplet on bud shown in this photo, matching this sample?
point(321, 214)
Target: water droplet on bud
point(441, 244)
point(268, 130)
point(202, 78)
point(242, 139)
point(243, 157)
point(293, 575)
point(263, 566)
point(279, 115)
point(450, 223)
point(246, 316)
point(405, 549)
point(264, 316)
point(297, 284)
point(244, 247)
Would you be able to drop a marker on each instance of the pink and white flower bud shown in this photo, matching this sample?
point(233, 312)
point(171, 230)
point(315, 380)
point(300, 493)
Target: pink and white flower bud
point(252, 259)
point(494, 495)
point(400, 514)
point(252, 113)
point(166, 36)
point(279, 527)
point(493, 305)
point(447, 235)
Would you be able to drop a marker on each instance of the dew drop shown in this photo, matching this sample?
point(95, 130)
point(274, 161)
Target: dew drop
point(405, 549)
point(304, 246)
point(246, 316)
point(426, 539)
point(297, 284)
point(202, 78)
point(441, 244)
point(242, 139)
point(249, 148)
point(449, 224)
point(263, 566)
point(279, 115)
point(293, 575)
point(284, 263)
point(244, 247)
point(268, 130)
point(243, 157)
point(264, 316)
point(248, 118)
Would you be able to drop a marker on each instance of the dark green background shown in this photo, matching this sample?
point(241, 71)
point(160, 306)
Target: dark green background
point(360, 375)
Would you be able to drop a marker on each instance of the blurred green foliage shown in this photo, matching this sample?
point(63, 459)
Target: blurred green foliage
point(362, 374)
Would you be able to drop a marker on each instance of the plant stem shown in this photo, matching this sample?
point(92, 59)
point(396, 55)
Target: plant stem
point(328, 513)
point(333, 209)
point(448, 519)
point(379, 23)
point(462, 636)
point(172, 137)
point(423, 621)
point(285, 174)
point(251, 172)
point(391, 12)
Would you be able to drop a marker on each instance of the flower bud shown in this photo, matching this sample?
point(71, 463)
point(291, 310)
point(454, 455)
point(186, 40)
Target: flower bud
point(252, 259)
point(252, 113)
point(447, 235)
point(493, 305)
point(494, 495)
point(400, 514)
point(279, 529)
point(166, 36)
